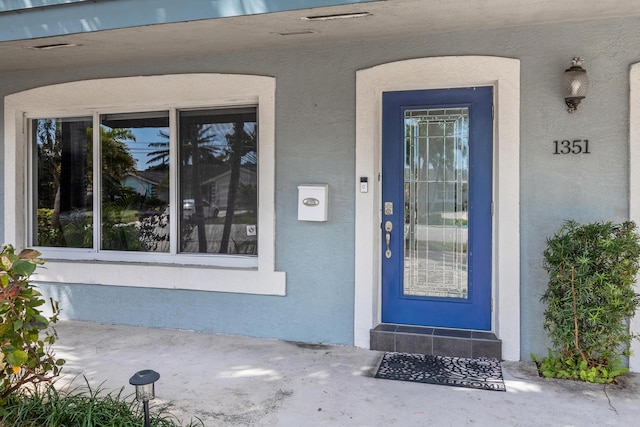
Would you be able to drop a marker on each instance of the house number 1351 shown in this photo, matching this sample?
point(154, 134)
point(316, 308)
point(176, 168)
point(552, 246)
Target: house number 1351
point(576, 146)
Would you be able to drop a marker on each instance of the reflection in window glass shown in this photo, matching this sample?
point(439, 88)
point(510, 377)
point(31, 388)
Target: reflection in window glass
point(135, 181)
point(63, 181)
point(215, 198)
point(218, 181)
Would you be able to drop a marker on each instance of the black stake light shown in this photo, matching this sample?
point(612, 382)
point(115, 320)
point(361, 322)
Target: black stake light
point(145, 390)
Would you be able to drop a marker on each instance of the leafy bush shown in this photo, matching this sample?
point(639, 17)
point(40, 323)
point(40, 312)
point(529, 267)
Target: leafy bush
point(590, 297)
point(81, 406)
point(25, 356)
point(557, 366)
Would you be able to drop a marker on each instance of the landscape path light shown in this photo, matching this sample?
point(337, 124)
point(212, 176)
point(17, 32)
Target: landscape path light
point(145, 390)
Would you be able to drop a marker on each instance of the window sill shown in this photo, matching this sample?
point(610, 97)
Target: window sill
point(163, 276)
point(150, 258)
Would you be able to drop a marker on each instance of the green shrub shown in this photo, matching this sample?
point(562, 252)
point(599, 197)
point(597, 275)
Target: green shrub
point(81, 406)
point(590, 298)
point(25, 356)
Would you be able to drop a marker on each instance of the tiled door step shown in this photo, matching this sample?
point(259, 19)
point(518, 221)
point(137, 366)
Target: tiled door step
point(435, 341)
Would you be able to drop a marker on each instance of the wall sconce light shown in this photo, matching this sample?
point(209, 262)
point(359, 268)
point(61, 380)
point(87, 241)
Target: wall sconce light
point(575, 84)
point(145, 390)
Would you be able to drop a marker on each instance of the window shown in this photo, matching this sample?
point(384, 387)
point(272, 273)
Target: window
point(218, 159)
point(177, 187)
point(63, 182)
point(135, 188)
point(217, 149)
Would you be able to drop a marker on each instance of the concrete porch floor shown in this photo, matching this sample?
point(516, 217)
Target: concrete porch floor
point(239, 381)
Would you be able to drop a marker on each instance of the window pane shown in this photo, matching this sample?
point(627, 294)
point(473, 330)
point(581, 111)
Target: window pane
point(218, 181)
point(135, 181)
point(63, 182)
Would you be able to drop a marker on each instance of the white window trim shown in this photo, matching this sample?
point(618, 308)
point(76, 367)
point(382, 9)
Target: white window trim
point(634, 190)
point(236, 274)
point(434, 73)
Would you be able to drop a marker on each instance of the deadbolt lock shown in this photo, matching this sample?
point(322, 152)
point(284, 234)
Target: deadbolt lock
point(388, 208)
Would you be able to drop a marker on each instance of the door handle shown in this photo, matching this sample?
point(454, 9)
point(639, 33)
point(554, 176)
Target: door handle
point(388, 226)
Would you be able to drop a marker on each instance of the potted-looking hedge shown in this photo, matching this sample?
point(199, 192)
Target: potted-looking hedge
point(590, 299)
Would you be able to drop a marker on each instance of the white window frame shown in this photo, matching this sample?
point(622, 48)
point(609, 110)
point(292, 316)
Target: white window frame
point(634, 191)
point(230, 273)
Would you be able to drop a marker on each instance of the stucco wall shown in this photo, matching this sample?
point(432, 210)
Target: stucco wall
point(315, 134)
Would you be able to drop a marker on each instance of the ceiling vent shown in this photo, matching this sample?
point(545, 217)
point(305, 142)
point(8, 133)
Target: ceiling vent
point(336, 16)
point(53, 46)
point(296, 33)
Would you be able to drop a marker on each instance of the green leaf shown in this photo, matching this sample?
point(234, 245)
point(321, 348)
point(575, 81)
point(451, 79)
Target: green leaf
point(17, 358)
point(4, 328)
point(41, 321)
point(23, 267)
point(36, 302)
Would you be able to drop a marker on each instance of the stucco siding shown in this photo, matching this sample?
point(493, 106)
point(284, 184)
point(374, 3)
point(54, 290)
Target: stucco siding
point(315, 143)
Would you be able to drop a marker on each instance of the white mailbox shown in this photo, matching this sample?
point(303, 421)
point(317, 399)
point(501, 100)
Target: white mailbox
point(312, 202)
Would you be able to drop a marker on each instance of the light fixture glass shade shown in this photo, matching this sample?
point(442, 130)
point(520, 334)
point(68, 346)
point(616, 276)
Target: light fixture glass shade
point(575, 84)
point(145, 392)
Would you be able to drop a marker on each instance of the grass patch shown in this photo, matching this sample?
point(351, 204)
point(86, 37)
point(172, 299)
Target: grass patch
point(82, 407)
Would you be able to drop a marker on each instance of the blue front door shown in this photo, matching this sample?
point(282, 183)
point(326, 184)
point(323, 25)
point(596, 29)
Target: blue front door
point(436, 212)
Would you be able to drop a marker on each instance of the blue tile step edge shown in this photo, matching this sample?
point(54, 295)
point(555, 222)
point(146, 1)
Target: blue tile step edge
point(435, 341)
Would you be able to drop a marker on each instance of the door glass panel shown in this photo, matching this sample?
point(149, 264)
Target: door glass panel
point(436, 202)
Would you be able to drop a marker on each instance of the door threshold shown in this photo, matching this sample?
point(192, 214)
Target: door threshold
point(435, 341)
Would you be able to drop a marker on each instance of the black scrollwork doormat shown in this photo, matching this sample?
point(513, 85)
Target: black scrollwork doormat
point(483, 373)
